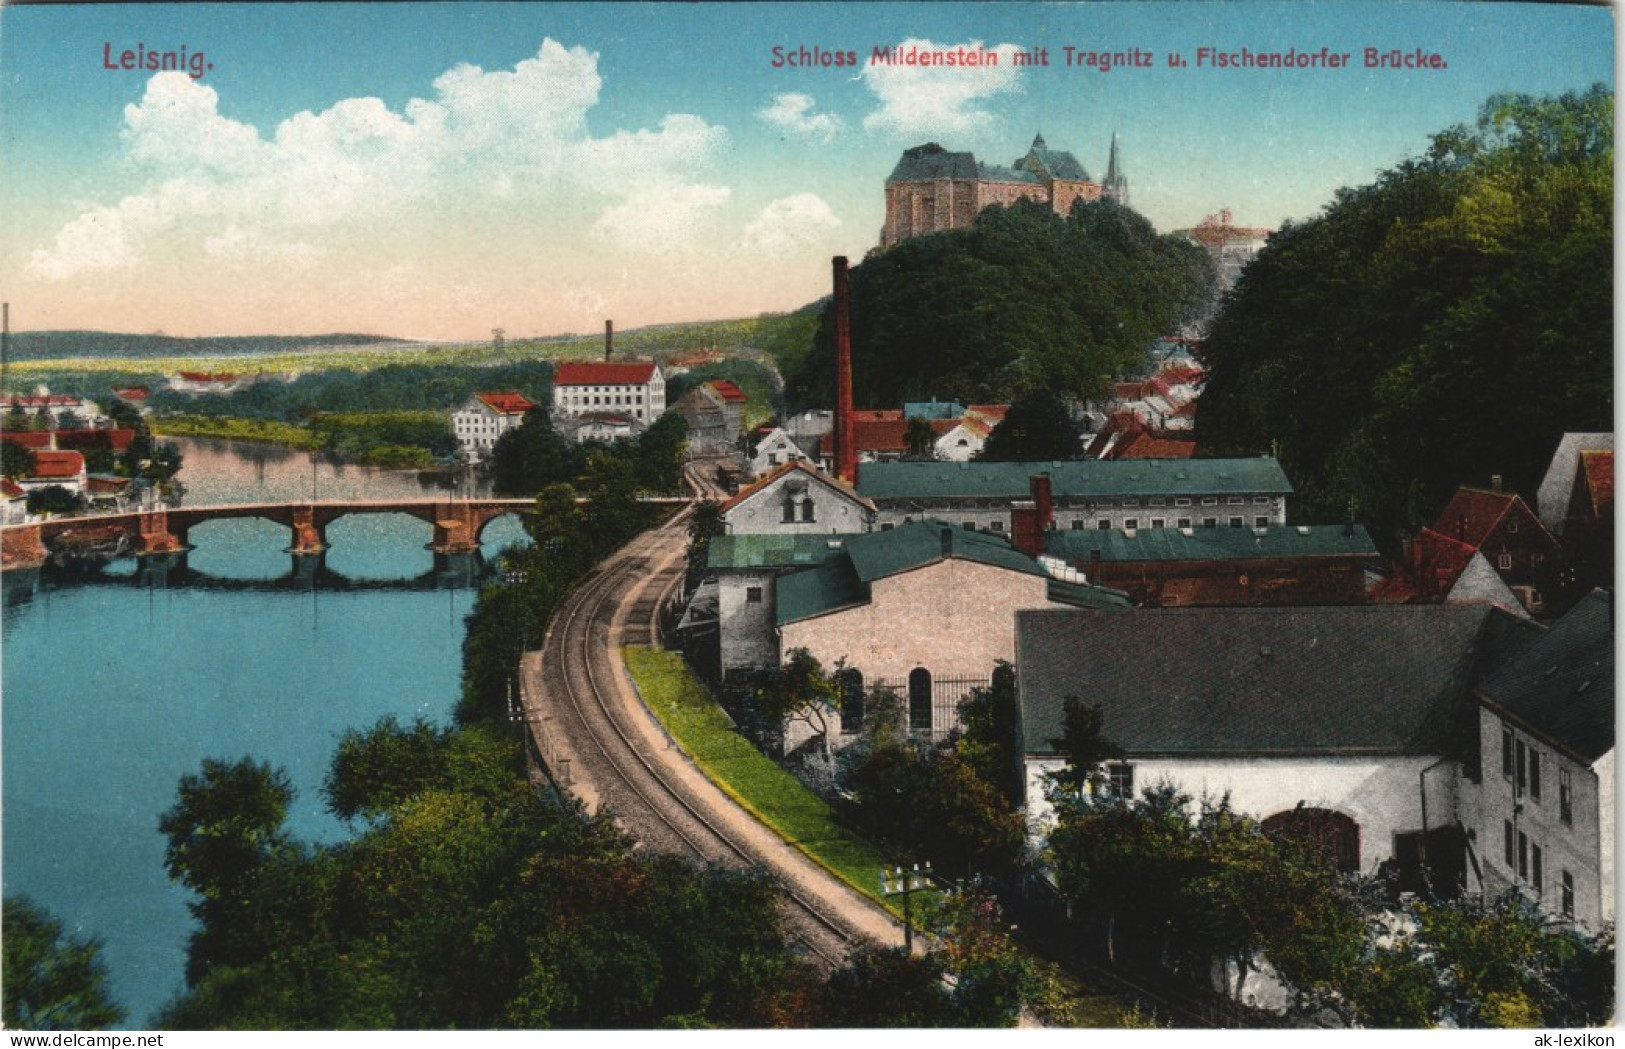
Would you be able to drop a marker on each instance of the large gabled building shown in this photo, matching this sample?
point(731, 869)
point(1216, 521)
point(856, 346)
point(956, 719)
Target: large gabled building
point(632, 388)
point(485, 417)
point(1126, 494)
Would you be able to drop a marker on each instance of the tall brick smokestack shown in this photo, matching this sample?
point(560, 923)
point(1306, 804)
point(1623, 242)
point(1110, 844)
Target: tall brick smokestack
point(846, 453)
point(609, 339)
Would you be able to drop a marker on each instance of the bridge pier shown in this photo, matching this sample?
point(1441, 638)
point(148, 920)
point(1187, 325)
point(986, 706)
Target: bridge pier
point(456, 529)
point(308, 536)
point(23, 547)
point(307, 566)
point(154, 569)
point(152, 535)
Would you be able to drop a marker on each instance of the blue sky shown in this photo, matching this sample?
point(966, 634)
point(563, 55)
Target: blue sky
point(437, 170)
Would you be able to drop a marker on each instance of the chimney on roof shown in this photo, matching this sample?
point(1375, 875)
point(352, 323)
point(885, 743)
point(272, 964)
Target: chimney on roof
point(947, 541)
point(1039, 486)
point(609, 339)
point(1026, 528)
point(1495, 482)
point(846, 455)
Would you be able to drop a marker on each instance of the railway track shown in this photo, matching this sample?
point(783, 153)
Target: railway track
point(619, 750)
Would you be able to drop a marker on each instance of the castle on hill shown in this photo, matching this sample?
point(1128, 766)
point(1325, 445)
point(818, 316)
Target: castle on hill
point(932, 189)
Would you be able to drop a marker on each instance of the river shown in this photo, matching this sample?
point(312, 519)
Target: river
point(117, 682)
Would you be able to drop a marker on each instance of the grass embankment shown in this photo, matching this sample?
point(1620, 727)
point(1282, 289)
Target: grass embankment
point(752, 779)
point(397, 440)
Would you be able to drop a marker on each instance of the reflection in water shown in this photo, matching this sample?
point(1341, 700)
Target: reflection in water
point(120, 678)
point(216, 471)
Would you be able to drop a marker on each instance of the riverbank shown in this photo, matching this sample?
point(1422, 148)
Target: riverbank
point(393, 440)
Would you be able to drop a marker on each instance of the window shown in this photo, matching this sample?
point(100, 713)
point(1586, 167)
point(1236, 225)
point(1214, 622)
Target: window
point(1184, 522)
point(753, 595)
point(1534, 773)
point(1568, 895)
point(886, 527)
point(1523, 855)
point(1521, 764)
point(1504, 562)
point(1210, 522)
point(1511, 851)
point(1104, 524)
point(1131, 523)
point(1210, 500)
point(1565, 796)
point(1120, 780)
point(1157, 502)
point(1235, 500)
point(1506, 751)
point(1512, 525)
point(1261, 522)
point(851, 682)
point(919, 699)
point(1131, 502)
point(789, 508)
point(1261, 500)
point(998, 526)
point(1159, 522)
point(970, 526)
point(807, 509)
point(1535, 878)
point(1077, 524)
point(1182, 502)
point(1236, 522)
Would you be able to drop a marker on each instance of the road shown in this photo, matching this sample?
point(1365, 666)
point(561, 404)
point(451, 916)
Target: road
point(600, 741)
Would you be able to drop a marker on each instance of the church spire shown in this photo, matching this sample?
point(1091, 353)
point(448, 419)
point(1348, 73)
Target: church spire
point(1038, 141)
point(1116, 186)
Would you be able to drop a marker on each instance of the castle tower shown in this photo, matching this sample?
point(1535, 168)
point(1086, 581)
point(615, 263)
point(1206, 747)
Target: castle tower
point(1116, 185)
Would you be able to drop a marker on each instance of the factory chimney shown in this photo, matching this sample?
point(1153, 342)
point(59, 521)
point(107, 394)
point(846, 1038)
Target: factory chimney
point(609, 339)
point(846, 454)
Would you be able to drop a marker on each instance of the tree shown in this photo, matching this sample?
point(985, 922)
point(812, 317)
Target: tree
point(53, 499)
point(1461, 289)
point(798, 690)
point(1037, 428)
point(919, 438)
point(15, 460)
point(531, 456)
point(1083, 751)
point(990, 740)
point(51, 981)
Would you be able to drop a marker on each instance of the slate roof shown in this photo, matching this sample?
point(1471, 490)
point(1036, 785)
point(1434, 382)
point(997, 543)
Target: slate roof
point(1058, 163)
point(1562, 685)
point(1074, 478)
point(1346, 680)
point(1077, 546)
point(930, 162)
point(603, 373)
point(841, 582)
point(733, 552)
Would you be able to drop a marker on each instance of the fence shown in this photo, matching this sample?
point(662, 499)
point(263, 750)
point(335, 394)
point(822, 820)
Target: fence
point(931, 704)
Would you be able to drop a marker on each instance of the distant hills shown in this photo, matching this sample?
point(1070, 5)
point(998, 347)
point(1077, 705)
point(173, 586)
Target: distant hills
point(58, 345)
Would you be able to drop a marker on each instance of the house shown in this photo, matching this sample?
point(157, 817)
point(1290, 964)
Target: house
point(1555, 496)
point(925, 609)
point(964, 440)
point(635, 388)
point(15, 501)
point(775, 448)
point(599, 427)
point(55, 468)
point(713, 411)
point(1538, 795)
point(797, 498)
point(1275, 565)
point(1437, 568)
point(62, 409)
point(1501, 525)
point(484, 418)
point(1129, 494)
point(739, 590)
point(1349, 716)
point(1588, 527)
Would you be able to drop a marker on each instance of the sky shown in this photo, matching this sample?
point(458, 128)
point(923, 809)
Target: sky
point(439, 170)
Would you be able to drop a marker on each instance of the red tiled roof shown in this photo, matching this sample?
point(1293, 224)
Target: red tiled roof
point(103, 484)
point(1599, 472)
point(890, 435)
point(877, 415)
point(941, 427)
point(507, 403)
point(1473, 514)
point(603, 373)
point(57, 465)
point(728, 390)
point(29, 438)
point(992, 413)
point(1146, 445)
point(11, 489)
point(132, 393)
point(208, 376)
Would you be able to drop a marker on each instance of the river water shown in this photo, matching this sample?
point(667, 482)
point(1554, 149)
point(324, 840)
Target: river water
point(117, 682)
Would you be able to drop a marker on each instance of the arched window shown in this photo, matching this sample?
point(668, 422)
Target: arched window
point(851, 682)
point(807, 509)
point(789, 508)
point(919, 699)
point(1334, 833)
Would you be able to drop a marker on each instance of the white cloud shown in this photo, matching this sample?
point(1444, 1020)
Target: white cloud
point(218, 187)
point(789, 224)
point(939, 100)
point(792, 112)
point(659, 218)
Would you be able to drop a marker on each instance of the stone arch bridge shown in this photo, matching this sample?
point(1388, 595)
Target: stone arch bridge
point(457, 526)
